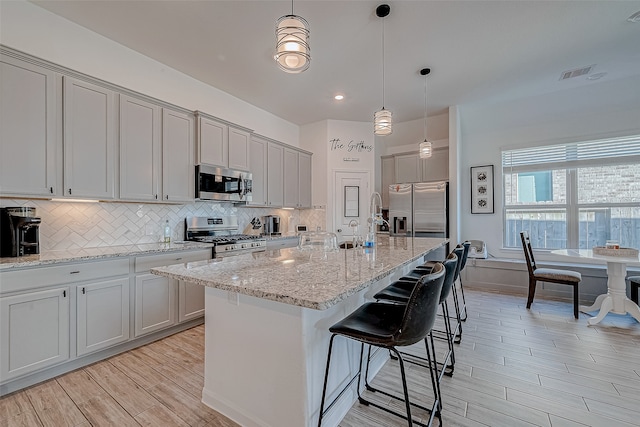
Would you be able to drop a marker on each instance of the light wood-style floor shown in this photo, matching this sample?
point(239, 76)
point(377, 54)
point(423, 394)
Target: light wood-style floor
point(515, 367)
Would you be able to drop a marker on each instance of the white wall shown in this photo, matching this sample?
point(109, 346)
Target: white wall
point(591, 112)
point(36, 31)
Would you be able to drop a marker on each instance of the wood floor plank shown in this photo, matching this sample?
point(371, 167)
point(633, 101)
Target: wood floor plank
point(132, 397)
point(141, 373)
point(23, 419)
point(80, 386)
point(15, 404)
point(159, 415)
point(181, 403)
point(53, 406)
point(104, 411)
point(498, 419)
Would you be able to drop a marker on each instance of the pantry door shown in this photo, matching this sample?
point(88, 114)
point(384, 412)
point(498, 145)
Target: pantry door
point(351, 202)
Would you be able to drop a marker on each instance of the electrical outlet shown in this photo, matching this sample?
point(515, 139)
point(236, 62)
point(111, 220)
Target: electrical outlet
point(233, 298)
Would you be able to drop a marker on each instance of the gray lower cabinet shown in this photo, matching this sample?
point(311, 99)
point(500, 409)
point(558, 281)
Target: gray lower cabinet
point(190, 301)
point(156, 296)
point(34, 331)
point(155, 302)
point(102, 315)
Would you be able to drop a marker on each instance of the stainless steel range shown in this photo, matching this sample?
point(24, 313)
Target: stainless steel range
point(221, 231)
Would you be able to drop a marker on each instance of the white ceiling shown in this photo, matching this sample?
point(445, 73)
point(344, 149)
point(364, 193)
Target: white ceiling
point(479, 51)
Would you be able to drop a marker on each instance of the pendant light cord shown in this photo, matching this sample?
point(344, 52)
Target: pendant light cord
point(291, 7)
point(383, 63)
point(425, 107)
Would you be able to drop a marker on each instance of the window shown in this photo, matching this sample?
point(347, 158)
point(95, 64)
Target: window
point(576, 195)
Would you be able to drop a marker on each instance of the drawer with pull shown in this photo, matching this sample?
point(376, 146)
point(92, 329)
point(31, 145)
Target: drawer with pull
point(37, 277)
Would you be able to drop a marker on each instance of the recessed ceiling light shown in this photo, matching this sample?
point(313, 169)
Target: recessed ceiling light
point(596, 76)
point(635, 17)
point(338, 97)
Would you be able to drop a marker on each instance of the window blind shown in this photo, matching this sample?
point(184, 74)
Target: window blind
point(572, 155)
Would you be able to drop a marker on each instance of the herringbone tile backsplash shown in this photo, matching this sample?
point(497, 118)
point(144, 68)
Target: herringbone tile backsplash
point(73, 225)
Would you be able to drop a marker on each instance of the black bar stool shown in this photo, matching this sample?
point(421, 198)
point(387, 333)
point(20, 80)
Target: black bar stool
point(459, 251)
point(387, 325)
point(400, 291)
point(634, 281)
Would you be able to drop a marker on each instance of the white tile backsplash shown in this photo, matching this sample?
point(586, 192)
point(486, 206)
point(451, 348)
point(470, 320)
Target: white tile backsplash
point(74, 225)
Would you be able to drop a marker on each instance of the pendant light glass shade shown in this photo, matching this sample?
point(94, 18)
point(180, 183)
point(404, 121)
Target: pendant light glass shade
point(293, 54)
point(382, 122)
point(425, 150)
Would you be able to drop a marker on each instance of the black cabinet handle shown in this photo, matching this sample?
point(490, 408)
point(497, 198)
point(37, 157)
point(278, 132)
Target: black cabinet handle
point(74, 272)
point(167, 196)
point(156, 197)
point(51, 190)
point(64, 294)
point(83, 292)
point(69, 191)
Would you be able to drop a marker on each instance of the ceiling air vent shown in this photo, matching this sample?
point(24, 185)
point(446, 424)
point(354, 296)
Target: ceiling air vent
point(576, 73)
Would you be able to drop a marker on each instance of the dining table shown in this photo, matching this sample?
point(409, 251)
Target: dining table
point(615, 300)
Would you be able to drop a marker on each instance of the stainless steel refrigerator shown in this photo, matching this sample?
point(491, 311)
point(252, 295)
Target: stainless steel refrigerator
point(420, 209)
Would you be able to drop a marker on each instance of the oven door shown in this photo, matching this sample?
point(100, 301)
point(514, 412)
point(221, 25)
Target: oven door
point(214, 183)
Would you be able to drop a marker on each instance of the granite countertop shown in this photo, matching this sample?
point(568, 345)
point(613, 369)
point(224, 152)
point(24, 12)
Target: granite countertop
point(58, 257)
point(310, 279)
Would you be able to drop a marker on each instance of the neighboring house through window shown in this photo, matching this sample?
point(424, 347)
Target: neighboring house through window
point(575, 195)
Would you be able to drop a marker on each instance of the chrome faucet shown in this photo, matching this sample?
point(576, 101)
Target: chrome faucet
point(375, 217)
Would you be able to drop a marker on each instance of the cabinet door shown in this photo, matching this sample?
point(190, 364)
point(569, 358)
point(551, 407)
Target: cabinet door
point(190, 301)
point(291, 179)
point(275, 175)
point(258, 168)
point(213, 142)
point(177, 156)
point(28, 127)
point(238, 149)
point(89, 140)
point(155, 302)
point(102, 315)
point(408, 168)
point(304, 167)
point(139, 149)
point(34, 332)
point(388, 172)
point(436, 168)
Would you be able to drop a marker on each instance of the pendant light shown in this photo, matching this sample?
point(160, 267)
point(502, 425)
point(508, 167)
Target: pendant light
point(426, 150)
point(382, 118)
point(293, 53)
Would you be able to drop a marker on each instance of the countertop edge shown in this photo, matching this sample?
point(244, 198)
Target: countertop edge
point(109, 252)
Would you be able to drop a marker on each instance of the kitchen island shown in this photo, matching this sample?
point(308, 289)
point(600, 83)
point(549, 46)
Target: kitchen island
point(267, 316)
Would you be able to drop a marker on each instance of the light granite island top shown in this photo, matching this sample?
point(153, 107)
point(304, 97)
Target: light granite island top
point(267, 320)
point(304, 278)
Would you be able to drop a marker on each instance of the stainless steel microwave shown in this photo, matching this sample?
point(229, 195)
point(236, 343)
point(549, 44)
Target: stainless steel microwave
point(221, 184)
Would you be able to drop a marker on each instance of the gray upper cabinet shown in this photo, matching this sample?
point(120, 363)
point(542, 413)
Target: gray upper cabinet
point(89, 140)
point(436, 168)
point(238, 149)
point(275, 176)
point(28, 129)
point(213, 141)
point(258, 168)
point(388, 177)
point(408, 168)
point(140, 127)
point(304, 168)
point(177, 156)
point(291, 180)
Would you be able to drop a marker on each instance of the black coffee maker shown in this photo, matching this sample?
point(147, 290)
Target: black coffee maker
point(19, 231)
